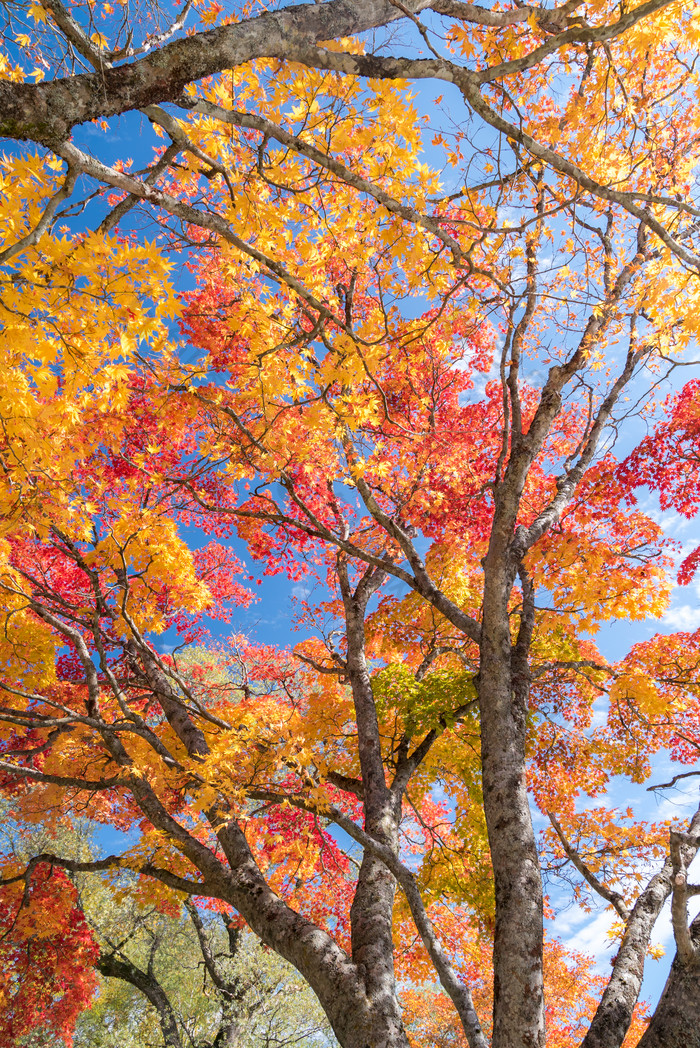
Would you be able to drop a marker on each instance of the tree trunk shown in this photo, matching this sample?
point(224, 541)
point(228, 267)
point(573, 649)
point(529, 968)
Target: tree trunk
point(371, 913)
point(518, 1019)
point(676, 1021)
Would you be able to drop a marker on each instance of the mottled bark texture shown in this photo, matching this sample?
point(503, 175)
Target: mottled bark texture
point(518, 984)
point(676, 1020)
point(371, 914)
point(47, 112)
point(614, 1013)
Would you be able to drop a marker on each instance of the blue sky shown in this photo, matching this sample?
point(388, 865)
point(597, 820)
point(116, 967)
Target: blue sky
point(268, 619)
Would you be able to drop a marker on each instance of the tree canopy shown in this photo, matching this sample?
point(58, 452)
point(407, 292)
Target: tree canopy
point(390, 299)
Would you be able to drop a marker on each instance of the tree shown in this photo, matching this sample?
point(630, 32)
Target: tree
point(170, 975)
point(198, 981)
point(47, 950)
point(394, 384)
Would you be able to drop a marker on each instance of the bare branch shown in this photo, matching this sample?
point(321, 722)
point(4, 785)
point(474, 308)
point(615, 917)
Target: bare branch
point(674, 780)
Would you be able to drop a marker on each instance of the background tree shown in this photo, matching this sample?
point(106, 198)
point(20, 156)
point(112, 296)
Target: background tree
point(195, 980)
point(167, 974)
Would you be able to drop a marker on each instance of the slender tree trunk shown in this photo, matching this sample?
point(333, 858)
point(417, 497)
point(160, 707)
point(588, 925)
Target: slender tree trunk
point(371, 914)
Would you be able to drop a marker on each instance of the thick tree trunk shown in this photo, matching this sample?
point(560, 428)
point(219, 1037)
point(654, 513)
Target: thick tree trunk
point(518, 940)
point(517, 958)
point(676, 1021)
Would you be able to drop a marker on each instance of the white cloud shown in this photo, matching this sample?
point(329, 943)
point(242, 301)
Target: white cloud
point(302, 590)
point(681, 801)
point(600, 713)
point(588, 933)
point(670, 523)
point(684, 617)
point(678, 522)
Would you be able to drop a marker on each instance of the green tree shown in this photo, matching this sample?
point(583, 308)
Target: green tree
point(196, 981)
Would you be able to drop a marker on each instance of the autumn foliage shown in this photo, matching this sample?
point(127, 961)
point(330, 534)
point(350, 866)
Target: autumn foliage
point(409, 367)
point(48, 956)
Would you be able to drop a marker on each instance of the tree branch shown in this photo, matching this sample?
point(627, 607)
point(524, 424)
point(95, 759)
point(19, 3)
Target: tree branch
point(458, 993)
point(687, 951)
point(614, 1013)
point(46, 112)
point(148, 985)
point(612, 897)
point(46, 218)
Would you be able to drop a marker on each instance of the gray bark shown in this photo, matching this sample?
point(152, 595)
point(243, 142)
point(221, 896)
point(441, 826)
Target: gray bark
point(611, 1021)
point(518, 983)
point(371, 914)
point(47, 112)
point(676, 1020)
